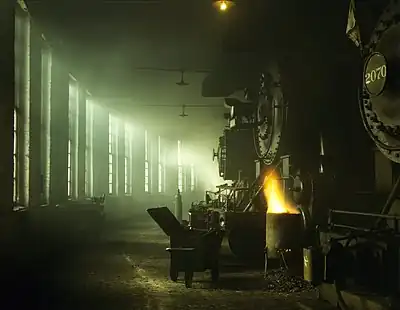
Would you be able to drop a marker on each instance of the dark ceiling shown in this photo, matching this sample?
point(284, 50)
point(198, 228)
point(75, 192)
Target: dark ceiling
point(105, 42)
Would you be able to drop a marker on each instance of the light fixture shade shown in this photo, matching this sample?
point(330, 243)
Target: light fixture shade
point(223, 5)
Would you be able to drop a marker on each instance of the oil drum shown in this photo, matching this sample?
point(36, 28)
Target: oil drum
point(284, 231)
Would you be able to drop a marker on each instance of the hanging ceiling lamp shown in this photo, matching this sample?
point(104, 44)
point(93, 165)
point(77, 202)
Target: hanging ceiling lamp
point(223, 5)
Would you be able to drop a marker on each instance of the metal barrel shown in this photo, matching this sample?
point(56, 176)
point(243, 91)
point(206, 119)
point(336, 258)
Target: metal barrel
point(284, 231)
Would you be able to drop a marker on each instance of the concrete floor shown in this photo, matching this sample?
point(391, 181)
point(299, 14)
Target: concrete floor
point(128, 269)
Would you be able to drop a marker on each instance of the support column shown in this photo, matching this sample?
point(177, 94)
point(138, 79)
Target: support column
point(46, 124)
point(81, 142)
point(100, 151)
point(23, 102)
point(35, 137)
point(121, 159)
point(59, 132)
point(7, 101)
point(138, 163)
point(73, 115)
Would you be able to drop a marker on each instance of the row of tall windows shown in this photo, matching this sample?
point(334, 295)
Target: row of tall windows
point(21, 135)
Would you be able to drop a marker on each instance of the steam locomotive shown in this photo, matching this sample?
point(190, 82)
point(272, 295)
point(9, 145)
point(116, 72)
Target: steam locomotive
point(297, 77)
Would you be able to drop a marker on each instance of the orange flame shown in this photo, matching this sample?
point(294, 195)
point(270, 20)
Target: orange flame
point(275, 197)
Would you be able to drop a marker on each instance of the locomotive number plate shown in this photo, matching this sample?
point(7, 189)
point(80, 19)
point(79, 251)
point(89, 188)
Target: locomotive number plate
point(375, 74)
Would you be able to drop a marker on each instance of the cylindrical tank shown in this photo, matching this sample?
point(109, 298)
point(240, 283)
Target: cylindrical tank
point(178, 206)
point(283, 231)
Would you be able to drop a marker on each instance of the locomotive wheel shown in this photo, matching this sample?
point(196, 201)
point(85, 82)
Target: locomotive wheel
point(215, 274)
point(380, 97)
point(188, 279)
point(173, 272)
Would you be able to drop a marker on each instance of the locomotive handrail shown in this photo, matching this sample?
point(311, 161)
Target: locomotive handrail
point(394, 218)
point(377, 215)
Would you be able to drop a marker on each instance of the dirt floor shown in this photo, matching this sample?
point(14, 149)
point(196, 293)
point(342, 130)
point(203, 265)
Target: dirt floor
point(128, 269)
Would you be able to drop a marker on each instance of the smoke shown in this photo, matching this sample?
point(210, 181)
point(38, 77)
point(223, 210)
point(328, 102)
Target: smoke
point(199, 158)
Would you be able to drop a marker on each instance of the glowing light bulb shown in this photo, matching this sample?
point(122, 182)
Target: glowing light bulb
point(223, 6)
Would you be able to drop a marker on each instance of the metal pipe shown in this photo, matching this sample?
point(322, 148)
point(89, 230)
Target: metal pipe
point(306, 217)
point(382, 216)
point(252, 198)
point(350, 227)
point(178, 206)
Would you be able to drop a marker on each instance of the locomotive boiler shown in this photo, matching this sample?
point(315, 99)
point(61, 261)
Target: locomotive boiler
point(318, 92)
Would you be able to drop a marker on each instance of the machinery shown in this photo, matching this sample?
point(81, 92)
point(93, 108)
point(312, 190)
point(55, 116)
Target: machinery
point(361, 247)
point(321, 109)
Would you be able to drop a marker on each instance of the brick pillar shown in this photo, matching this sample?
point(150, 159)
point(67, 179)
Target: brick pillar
point(59, 132)
point(7, 101)
point(138, 163)
point(81, 143)
point(121, 159)
point(100, 151)
point(35, 137)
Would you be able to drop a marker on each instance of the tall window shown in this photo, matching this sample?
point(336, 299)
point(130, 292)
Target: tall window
point(164, 176)
point(73, 139)
point(180, 167)
point(89, 148)
point(128, 160)
point(15, 159)
point(192, 178)
point(110, 154)
point(69, 169)
point(146, 163)
point(160, 167)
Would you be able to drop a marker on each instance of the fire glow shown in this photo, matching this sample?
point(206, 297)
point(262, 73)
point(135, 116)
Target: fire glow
point(275, 197)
